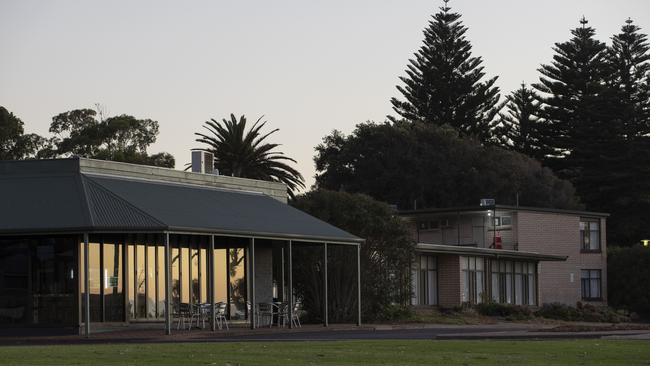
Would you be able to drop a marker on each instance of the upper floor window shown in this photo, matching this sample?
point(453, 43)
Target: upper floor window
point(589, 235)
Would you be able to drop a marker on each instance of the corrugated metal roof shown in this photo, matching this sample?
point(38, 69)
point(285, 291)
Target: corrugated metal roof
point(54, 196)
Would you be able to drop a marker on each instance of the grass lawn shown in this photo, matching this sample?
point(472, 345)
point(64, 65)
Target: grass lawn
point(574, 352)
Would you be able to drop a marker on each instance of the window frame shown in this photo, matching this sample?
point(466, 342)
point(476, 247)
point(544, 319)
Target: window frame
point(590, 277)
point(588, 222)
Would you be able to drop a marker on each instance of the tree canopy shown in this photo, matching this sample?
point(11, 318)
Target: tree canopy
point(246, 153)
point(444, 82)
point(14, 143)
point(118, 138)
point(422, 165)
point(386, 255)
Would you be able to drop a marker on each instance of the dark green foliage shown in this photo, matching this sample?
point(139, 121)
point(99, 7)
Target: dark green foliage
point(120, 138)
point(628, 195)
point(596, 103)
point(510, 312)
point(444, 82)
point(573, 94)
point(242, 153)
point(14, 143)
point(386, 255)
point(520, 128)
point(582, 312)
point(628, 278)
point(401, 163)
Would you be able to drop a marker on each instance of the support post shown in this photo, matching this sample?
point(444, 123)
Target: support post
point(359, 285)
point(325, 311)
point(213, 322)
point(290, 269)
point(86, 286)
point(251, 271)
point(168, 308)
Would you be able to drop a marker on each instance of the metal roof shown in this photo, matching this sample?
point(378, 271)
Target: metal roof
point(486, 252)
point(55, 196)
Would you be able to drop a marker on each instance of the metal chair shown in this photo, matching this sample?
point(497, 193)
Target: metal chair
point(183, 313)
point(220, 314)
point(264, 310)
point(295, 315)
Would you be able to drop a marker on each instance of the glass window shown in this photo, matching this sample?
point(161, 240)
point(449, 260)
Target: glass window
point(220, 276)
point(590, 235)
point(151, 279)
point(131, 283)
point(591, 284)
point(428, 289)
point(176, 280)
point(141, 281)
point(185, 275)
point(112, 278)
point(160, 273)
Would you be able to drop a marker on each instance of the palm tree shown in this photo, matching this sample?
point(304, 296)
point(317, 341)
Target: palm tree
point(245, 154)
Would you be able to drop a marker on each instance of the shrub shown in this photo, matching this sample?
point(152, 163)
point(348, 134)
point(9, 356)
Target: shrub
point(628, 277)
point(511, 312)
point(582, 312)
point(395, 312)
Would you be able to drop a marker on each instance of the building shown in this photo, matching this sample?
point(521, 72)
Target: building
point(94, 242)
point(506, 254)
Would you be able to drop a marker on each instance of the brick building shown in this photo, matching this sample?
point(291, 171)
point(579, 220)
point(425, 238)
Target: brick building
point(507, 254)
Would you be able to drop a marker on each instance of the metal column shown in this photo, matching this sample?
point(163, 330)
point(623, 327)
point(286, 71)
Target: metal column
point(86, 285)
point(290, 261)
point(213, 322)
point(325, 312)
point(359, 284)
point(251, 271)
point(168, 308)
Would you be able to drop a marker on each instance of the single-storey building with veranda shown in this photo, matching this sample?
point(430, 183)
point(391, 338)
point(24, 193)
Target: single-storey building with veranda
point(87, 243)
point(508, 254)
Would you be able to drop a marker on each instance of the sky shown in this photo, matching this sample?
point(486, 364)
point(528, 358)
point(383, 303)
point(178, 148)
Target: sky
point(308, 67)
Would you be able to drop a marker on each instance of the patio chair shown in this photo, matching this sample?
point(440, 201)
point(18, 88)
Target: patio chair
point(265, 310)
point(196, 312)
point(220, 314)
point(282, 314)
point(182, 313)
point(295, 315)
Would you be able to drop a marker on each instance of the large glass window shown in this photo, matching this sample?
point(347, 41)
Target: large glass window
point(591, 284)
point(112, 282)
point(428, 280)
point(590, 234)
point(151, 280)
point(473, 270)
point(236, 268)
point(38, 280)
point(513, 282)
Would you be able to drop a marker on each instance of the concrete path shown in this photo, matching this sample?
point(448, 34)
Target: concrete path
point(500, 331)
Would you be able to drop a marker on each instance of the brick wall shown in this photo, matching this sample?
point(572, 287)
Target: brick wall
point(559, 234)
point(448, 281)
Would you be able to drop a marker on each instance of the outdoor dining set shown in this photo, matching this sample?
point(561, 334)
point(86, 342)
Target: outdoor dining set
point(266, 314)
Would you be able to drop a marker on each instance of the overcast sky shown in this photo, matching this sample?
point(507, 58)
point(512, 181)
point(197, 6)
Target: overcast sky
point(309, 67)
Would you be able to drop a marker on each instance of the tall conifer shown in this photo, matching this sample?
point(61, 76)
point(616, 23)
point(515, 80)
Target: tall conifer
point(520, 128)
point(444, 82)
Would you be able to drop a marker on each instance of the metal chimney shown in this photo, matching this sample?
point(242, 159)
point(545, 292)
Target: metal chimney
point(202, 162)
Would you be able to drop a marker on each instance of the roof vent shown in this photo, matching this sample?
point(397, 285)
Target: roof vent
point(488, 202)
point(202, 162)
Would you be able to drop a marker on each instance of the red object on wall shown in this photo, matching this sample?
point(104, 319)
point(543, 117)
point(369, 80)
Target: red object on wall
point(497, 241)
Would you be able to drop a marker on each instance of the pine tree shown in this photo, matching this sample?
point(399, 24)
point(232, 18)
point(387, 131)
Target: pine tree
point(444, 81)
point(628, 60)
point(578, 120)
point(520, 128)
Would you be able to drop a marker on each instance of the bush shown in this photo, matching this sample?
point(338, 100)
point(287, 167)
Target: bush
point(510, 312)
point(628, 277)
point(582, 312)
point(395, 312)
